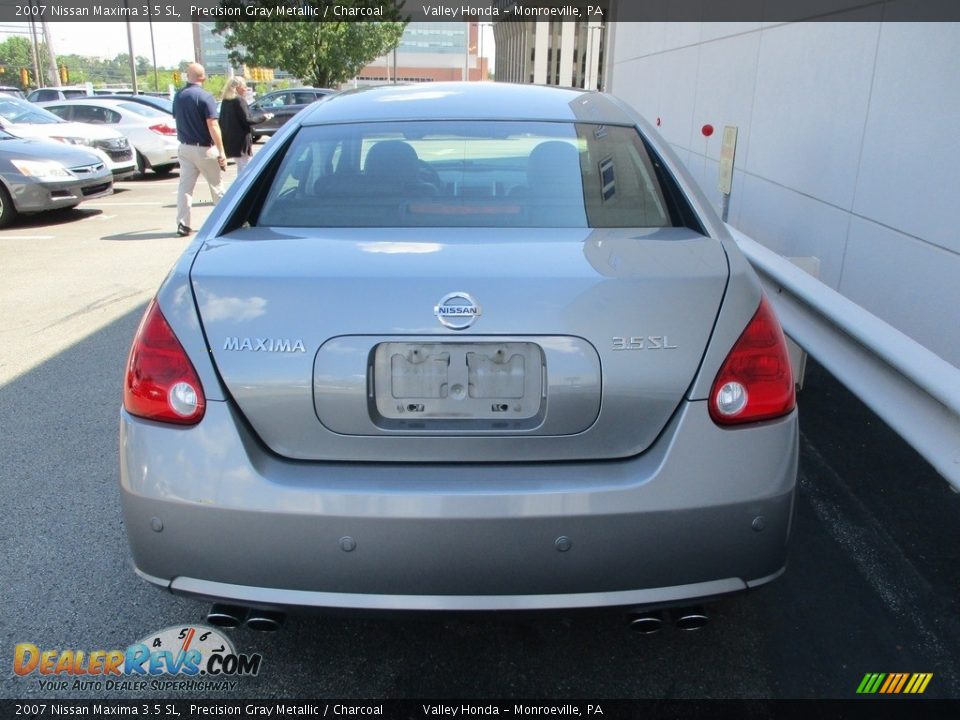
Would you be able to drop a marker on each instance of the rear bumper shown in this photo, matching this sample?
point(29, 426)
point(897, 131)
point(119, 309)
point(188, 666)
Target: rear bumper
point(160, 151)
point(705, 512)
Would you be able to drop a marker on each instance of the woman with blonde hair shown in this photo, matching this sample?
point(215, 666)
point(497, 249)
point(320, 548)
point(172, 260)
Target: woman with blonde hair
point(236, 123)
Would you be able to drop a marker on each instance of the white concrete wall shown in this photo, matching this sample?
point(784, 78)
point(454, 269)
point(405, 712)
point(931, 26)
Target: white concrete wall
point(849, 147)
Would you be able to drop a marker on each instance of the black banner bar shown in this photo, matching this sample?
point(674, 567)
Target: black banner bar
point(865, 709)
point(479, 10)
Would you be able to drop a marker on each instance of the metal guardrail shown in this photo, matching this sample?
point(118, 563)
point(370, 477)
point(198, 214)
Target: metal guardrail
point(912, 389)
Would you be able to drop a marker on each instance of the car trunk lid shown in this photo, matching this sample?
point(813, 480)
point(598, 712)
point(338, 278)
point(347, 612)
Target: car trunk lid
point(335, 345)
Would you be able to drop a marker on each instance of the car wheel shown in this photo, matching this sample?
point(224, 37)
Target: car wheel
point(141, 164)
point(163, 169)
point(8, 213)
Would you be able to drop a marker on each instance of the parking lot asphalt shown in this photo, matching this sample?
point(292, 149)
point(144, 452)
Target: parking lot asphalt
point(68, 273)
point(871, 585)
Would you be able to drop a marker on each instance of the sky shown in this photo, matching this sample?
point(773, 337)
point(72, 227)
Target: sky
point(173, 40)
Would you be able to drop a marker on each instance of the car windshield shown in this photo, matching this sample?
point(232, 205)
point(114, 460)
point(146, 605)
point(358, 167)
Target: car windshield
point(15, 110)
point(469, 173)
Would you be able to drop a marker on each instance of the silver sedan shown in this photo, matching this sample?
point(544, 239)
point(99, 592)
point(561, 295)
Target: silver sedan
point(38, 175)
point(459, 347)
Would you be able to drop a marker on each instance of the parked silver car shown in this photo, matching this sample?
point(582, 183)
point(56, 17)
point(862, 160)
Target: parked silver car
point(37, 175)
point(460, 347)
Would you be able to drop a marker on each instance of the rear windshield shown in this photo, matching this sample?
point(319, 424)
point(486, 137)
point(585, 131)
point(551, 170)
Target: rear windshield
point(144, 110)
point(481, 174)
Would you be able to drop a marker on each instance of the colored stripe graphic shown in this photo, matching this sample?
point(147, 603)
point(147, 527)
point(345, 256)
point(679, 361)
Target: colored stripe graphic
point(894, 683)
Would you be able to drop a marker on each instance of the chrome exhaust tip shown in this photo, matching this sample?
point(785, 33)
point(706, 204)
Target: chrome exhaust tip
point(689, 619)
point(226, 616)
point(265, 620)
point(646, 623)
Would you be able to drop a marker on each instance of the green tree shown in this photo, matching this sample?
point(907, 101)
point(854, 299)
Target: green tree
point(15, 53)
point(319, 52)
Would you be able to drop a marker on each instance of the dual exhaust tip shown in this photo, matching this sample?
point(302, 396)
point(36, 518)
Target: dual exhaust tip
point(232, 616)
point(648, 623)
point(641, 623)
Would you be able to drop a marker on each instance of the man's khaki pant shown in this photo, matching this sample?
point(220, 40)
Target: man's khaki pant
point(194, 162)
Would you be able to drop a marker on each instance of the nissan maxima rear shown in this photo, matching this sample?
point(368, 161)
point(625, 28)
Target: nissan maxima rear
point(460, 347)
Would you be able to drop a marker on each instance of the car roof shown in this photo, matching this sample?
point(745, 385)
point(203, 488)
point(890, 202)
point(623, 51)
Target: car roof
point(86, 100)
point(468, 100)
point(155, 101)
point(82, 88)
point(324, 91)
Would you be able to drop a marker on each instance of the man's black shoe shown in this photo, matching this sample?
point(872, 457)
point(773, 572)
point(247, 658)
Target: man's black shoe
point(183, 230)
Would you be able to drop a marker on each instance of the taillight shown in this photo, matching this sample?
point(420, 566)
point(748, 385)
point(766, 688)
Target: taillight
point(755, 381)
point(163, 129)
point(161, 383)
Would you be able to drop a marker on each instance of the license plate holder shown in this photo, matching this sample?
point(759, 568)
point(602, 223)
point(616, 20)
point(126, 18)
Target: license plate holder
point(487, 381)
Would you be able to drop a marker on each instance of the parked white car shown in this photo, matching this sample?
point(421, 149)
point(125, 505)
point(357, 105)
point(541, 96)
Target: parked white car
point(26, 120)
point(45, 94)
point(152, 132)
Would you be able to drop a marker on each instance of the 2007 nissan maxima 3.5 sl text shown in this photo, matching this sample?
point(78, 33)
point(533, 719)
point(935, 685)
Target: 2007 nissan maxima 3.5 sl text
point(460, 347)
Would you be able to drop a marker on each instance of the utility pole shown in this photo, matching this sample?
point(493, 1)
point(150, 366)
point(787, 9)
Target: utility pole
point(133, 63)
point(36, 55)
point(52, 69)
point(153, 49)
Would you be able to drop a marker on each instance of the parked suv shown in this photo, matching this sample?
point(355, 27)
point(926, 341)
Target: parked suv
point(283, 104)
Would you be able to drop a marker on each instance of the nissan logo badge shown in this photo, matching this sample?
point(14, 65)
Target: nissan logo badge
point(457, 310)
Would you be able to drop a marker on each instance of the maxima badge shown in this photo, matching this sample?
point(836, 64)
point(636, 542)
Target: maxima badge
point(457, 310)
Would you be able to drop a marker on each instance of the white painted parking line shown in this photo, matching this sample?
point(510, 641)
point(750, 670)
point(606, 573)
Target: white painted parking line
point(119, 204)
point(25, 237)
point(100, 217)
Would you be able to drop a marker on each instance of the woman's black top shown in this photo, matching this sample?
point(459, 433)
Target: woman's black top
point(235, 124)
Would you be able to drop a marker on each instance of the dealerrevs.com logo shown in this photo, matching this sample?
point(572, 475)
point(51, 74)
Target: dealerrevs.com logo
point(191, 657)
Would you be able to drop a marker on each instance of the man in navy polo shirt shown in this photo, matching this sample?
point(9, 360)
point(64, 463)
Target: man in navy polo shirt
point(201, 146)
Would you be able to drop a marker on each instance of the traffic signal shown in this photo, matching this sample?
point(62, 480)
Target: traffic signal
point(24, 78)
point(64, 75)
